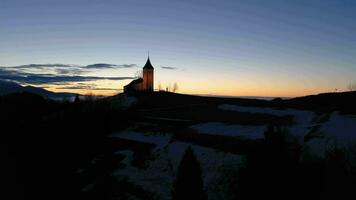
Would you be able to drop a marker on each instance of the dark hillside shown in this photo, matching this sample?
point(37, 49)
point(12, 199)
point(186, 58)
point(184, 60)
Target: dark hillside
point(344, 101)
point(43, 144)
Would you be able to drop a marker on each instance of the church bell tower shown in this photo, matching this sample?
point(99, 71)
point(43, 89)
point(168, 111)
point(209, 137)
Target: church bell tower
point(148, 76)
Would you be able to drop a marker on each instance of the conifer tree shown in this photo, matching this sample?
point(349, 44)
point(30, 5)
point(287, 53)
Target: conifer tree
point(189, 182)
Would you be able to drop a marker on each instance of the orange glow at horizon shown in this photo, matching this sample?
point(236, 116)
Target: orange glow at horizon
point(213, 87)
point(205, 82)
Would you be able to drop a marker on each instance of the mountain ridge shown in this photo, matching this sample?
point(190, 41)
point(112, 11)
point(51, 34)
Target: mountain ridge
point(8, 87)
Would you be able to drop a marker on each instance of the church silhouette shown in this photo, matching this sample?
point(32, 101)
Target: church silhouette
point(144, 84)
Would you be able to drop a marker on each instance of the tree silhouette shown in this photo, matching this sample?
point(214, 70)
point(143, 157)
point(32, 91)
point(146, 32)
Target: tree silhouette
point(189, 182)
point(77, 99)
point(138, 74)
point(175, 87)
point(352, 86)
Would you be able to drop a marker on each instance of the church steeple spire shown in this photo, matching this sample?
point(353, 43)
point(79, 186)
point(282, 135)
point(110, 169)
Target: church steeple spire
point(147, 84)
point(148, 64)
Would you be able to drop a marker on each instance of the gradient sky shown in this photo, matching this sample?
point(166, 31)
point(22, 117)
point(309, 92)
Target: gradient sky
point(237, 48)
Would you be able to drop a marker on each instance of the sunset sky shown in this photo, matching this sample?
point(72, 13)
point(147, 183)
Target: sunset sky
point(233, 48)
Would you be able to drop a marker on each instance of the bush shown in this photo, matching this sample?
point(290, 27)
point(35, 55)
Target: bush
point(189, 182)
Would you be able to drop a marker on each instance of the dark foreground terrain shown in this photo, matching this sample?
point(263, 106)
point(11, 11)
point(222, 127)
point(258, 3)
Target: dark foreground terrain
point(65, 150)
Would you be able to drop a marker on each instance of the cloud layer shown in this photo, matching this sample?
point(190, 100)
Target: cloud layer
point(62, 74)
point(111, 66)
point(170, 68)
point(30, 78)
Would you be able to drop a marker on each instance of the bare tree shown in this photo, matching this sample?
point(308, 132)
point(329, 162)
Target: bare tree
point(352, 86)
point(138, 74)
point(89, 97)
point(175, 87)
point(168, 88)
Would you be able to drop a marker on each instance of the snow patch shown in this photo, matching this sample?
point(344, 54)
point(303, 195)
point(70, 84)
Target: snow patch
point(340, 127)
point(159, 175)
point(338, 131)
point(301, 118)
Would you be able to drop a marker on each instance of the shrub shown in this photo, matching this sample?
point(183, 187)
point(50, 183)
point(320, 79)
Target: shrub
point(189, 182)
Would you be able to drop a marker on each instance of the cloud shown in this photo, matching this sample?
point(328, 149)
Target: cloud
point(127, 65)
point(62, 76)
point(86, 87)
point(69, 66)
point(104, 65)
point(170, 68)
point(31, 78)
point(53, 69)
point(41, 66)
point(57, 73)
point(99, 66)
point(73, 71)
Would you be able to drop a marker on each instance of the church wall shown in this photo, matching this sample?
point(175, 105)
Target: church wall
point(148, 80)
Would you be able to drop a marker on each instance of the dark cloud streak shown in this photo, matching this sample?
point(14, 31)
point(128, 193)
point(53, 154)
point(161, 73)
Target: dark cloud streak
point(74, 71)
point(99, 66)
point(42, 66)
point(85, 88)
point(170, 68)
point(110, 66)
point(30, 78)
point(68, 66)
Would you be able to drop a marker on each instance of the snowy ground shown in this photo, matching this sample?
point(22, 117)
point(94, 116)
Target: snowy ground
point(160, 172)
point(339, 131)
point(302, 119)
point(341, 127)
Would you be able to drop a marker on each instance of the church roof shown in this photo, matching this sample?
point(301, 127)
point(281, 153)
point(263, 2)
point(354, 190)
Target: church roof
point(148, 64)
point(136, 81)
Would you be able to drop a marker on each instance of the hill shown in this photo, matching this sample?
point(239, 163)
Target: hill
point(343, 101)
point(7, 87)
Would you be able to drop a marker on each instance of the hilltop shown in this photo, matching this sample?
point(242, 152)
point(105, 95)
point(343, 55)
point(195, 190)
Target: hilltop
point(8, 87)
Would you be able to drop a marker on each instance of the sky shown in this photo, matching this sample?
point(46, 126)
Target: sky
point(223, 47)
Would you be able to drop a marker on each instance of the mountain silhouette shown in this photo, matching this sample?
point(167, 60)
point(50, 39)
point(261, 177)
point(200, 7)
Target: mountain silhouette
point(8, 87)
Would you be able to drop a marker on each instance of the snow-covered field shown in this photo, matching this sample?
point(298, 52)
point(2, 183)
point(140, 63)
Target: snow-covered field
point(159, 175)
point(340, 127)
point(339, 131)
point(302, 119)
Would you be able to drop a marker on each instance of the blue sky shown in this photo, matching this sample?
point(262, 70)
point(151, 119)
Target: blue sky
point(259, 48)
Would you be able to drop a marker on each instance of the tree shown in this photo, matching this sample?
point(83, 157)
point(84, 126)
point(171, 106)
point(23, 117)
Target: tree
point(189, 182)
point(138, 74)
point(175, 87)
point(352, 86)
point(77, 99)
